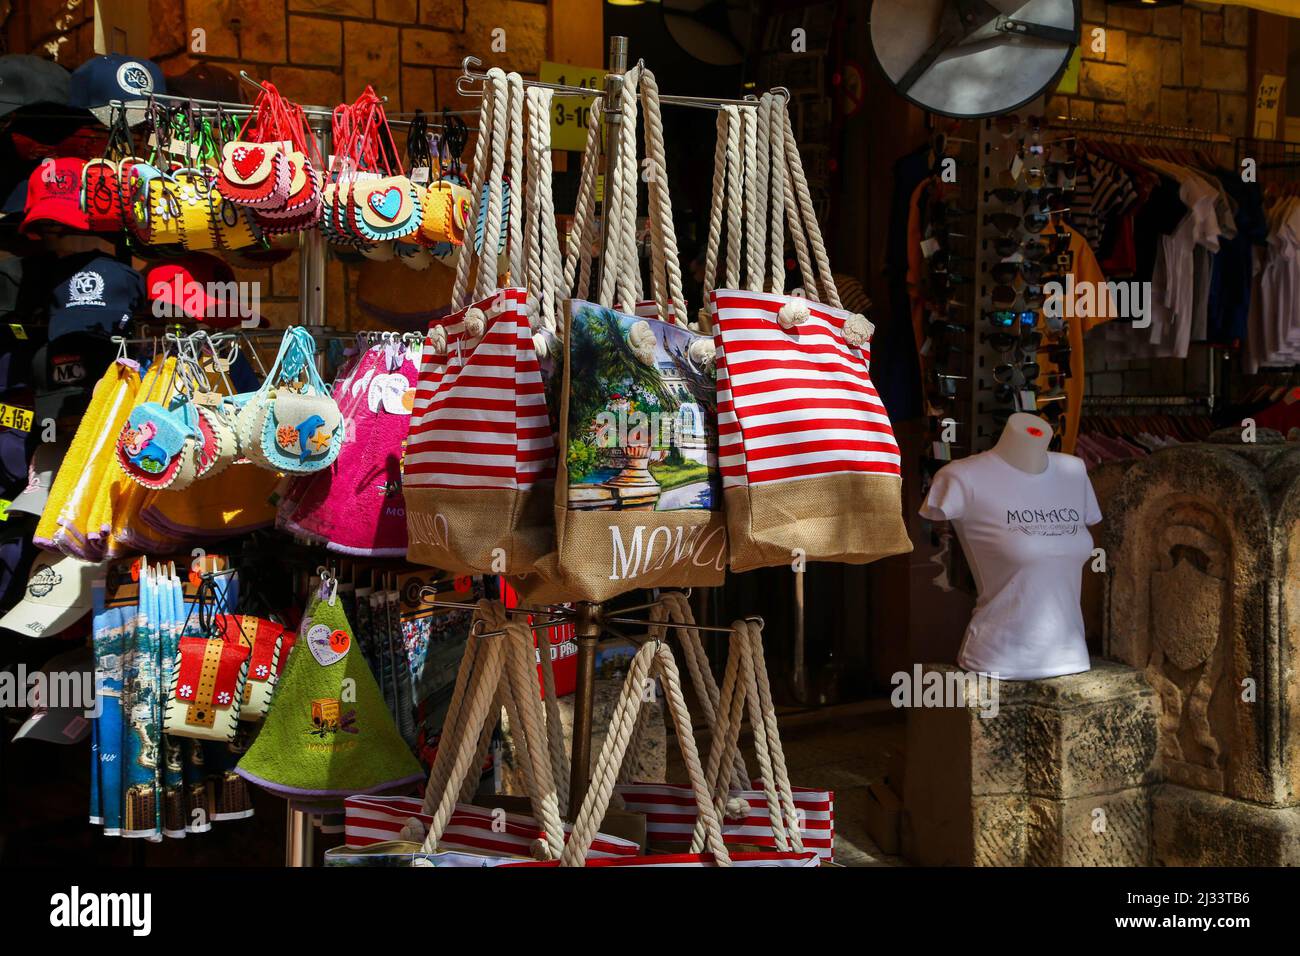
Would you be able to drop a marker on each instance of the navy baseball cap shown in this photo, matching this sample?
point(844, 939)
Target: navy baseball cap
point(74, 361)
point(95, 292)
point(16, 353)
point(16, 553)
point(13, 462)
point(103, 79)
point(27, 80)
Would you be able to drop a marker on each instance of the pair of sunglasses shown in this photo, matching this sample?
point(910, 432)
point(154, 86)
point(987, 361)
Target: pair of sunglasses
point(1010, 318)
point(1009, 123)
point(1006, 273)
point(1027, 342)
point(1006, 297)
point(1033, 248)
point(1006, 223)
point(1018, 375)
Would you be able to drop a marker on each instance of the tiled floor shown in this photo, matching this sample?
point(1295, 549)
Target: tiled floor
point(841, 749)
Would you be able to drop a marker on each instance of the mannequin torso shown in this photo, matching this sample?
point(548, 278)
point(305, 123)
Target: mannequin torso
point(1023, 443)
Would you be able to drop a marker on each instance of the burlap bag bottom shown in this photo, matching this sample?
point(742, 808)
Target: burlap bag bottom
point(602, 554)
point(853, 519)
point(479, 530)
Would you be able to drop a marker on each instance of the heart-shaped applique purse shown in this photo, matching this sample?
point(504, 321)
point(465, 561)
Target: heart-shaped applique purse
point(292, 424)
point(385, 208)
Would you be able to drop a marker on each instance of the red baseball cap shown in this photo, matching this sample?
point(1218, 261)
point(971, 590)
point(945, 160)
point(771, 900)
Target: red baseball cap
point(200, 286)
point(54, 194)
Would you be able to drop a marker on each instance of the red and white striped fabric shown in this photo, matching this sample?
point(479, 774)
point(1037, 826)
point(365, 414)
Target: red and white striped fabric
point(801, 860)
point(670, 816)
point(479, 418)
point(794, 403)
point(369, 820)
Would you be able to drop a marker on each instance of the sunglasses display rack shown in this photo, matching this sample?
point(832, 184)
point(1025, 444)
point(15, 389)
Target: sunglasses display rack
point(1024, 187)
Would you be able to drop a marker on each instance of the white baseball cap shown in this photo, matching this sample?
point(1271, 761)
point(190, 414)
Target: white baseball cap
point(57, 595)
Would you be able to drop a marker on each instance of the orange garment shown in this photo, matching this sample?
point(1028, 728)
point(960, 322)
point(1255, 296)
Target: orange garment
point(1083, 269)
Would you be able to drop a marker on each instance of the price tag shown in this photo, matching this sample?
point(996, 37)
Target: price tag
point(4, 509)
point(420, 174)
point(19, 332)
point(1026, 401)
point(569, 114)
point(942, 451)
point(1017, 167)
point(11, 416)
point(930, 246)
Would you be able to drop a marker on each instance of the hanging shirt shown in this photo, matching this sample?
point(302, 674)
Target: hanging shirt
point(1024, 536)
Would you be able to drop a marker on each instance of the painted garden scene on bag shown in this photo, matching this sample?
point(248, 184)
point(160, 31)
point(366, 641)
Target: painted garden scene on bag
point(642, 415)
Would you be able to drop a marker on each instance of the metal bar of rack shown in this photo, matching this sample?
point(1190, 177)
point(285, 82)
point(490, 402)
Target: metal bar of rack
point(1145, 130)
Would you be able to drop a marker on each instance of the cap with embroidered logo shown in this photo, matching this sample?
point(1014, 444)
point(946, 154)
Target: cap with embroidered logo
point(54, 195)
point(94, 292)
point(98, 82)
point(57, 596)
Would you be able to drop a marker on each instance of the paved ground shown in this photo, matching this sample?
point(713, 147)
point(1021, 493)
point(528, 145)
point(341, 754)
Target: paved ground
point(843, 749)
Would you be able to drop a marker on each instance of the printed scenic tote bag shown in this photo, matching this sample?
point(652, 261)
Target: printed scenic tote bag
point(810, 467)
point(479, 462)
point(638, 501)
point(765, 813)
point(654, 659)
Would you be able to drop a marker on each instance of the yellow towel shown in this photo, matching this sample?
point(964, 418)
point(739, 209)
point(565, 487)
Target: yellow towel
point(235, 502)
point(89, 454)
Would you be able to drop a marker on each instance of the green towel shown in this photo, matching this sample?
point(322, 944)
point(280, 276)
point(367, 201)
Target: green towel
point(328, 732)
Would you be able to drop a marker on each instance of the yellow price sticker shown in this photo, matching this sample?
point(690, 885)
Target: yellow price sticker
point(4, 509)
point(11, 416)
point(570, 114)
point(19, 332)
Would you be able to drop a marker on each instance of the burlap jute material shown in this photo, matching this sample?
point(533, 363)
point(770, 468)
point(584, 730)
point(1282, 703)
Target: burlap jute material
point(479, 530)
point(853, 519)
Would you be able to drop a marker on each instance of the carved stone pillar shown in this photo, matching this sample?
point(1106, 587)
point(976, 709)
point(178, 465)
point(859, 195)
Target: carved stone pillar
point(1203, 557)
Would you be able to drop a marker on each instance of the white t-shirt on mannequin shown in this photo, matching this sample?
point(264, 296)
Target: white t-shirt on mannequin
point(1024, 536)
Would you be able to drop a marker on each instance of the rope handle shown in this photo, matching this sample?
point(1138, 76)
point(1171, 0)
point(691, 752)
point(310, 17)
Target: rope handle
point(495, 672)
point(653, 657)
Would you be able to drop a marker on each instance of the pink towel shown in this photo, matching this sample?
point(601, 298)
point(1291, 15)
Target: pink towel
point(356, 505)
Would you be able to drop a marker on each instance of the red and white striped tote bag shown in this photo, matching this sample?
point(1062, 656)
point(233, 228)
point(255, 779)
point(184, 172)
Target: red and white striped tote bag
point(810, 467)
point(800, 860)
point(479, 466)
point(670, 816)
point(369, 820)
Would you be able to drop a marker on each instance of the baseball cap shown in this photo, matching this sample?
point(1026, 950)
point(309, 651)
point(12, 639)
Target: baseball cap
point(13, 461)
point(57, 595)
point(76, 360)
point(200, 286)
point(103, 79)
point(40, 474)
point(54, 194)
point(94, 292)
point(62, 725)
point(15, 558)
point(27, 80)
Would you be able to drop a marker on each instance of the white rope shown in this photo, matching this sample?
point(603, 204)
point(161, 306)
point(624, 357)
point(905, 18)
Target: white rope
point(663, 230)
point(478, 175)
point(735, 195)
point(772, 105)
point(518, 145)
point(554, 726)
point(582, 234)
point(760, 232)
point(612, 753)
point(753, 244)
point(713, 241)
point(532, 239)
point(794, 164)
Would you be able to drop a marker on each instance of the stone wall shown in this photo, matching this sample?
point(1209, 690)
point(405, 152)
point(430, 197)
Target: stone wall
point(1179, 66)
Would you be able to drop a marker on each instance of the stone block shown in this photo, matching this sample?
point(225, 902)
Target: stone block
point(1135, 21)
point(1212, 27)
point(1143, 78)
point(1086, 45)
point(999, 833)
point(417, 89)
point(1203, 106)
point(397, 11)
point(1171, 63)
point(311, 87)
point(1116, 46)
point(1223, 68)
point(1195, 828)
point(1236, 26)
point(1094, 10)
point(422, 47)
point(1193, 61)
point(1173, 107)
point(315, 42)
point(1103, 81)
point(1234, 109)
point(1167, 21)
point(213, 18)
point(443, 14)
point(1111, 113)
point(1090, 733)
point(1110, 829)
point(525, 33)
point(370, 57)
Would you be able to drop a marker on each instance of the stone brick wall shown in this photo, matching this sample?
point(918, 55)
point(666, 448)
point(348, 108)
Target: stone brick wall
point(1180, 66)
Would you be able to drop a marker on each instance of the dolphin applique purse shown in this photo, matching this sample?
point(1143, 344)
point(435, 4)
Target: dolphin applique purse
point(292, 424)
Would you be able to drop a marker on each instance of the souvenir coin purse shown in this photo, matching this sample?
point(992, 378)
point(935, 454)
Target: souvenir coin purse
point(268, 647)
point(207, 689)
point(154, 444)
point(254, 174)
point(386, 208)
point(101, 196)
point(292, 424)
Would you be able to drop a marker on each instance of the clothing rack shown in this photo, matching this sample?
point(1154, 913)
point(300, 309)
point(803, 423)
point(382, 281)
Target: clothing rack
point(1191, 134)
point(1129, 401)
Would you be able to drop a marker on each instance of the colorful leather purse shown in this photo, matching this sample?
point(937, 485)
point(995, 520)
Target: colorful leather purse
point(268, 646)
point(207, 689)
